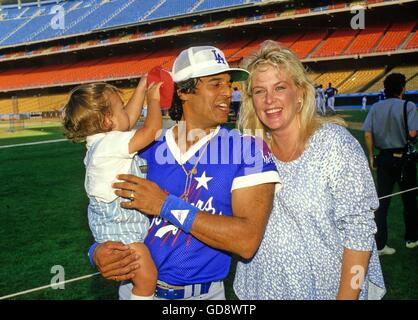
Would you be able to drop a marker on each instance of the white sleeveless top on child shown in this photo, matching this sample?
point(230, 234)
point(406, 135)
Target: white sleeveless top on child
point(107, 156)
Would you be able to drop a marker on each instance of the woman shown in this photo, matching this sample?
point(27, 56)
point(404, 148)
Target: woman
point(319, 242)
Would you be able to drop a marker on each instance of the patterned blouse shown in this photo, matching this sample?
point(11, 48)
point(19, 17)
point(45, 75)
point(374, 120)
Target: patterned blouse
point(326, 204)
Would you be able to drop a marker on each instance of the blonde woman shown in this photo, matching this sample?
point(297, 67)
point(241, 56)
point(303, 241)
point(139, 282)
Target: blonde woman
point(319, 241)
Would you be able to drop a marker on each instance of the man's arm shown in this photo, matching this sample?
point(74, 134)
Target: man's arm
point(240, 234)
point(368, 137)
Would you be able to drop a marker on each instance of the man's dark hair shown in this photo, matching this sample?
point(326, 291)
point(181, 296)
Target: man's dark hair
point(188, 86)
point(394, 84)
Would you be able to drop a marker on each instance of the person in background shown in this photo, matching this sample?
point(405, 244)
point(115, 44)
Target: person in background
point(385, 129)
point(236, 100)
point(364, 103)
point(320, 100)
point(330, 93)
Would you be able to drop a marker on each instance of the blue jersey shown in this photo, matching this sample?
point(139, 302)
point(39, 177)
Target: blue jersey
point(224, 161)
point(330, 92)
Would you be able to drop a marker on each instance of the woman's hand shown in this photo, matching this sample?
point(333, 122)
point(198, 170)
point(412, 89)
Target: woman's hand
point(115, 261)
point(144, 195)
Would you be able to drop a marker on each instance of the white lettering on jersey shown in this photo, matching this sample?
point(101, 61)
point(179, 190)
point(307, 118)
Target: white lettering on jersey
point(208, 207)
point(162, 231)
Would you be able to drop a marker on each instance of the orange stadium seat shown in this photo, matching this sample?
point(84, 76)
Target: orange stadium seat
point(230, 48)
point(132, 65)
point(285, 40)
point(395, 35)
point(251, 47)
point(366, 40)
point(307, 43)
point(412, 42)
point(336, 43)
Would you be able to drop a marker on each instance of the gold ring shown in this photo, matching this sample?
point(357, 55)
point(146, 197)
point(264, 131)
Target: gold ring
point(132, 196)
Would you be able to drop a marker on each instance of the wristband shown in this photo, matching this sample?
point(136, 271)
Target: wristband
point(179, 213)
point(90, 254)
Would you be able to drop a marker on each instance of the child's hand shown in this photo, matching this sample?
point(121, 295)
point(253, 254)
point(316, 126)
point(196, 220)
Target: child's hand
point(143, 82)
point(153, 92)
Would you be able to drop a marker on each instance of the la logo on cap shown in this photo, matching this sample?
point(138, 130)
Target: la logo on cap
point(218, 56)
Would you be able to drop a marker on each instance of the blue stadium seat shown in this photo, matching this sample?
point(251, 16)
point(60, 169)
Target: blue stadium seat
point(47, 32)
point(172, 8)
point(133, 13)
point(97, 14)
point(7, 27)
point(94, 14)
point(24, 34)
point(214, 4)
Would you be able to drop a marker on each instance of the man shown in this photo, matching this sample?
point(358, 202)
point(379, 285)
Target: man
point(331, 92)
point(385, 129)
point(364, 104)
point(320, 100)
point(218, 200)
point(236, 101)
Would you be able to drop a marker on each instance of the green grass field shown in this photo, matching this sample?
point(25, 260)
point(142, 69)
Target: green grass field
point(44, 221)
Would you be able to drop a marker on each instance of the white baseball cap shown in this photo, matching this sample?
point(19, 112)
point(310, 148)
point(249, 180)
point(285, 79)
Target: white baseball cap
point(204, 61)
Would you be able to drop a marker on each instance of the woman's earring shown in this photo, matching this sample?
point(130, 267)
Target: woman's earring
point(301, 104)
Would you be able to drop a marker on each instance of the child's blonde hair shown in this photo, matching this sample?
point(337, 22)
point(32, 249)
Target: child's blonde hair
point(85, 110)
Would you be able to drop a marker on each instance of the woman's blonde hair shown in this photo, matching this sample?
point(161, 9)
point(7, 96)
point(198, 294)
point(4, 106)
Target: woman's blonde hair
point(271, 53)
point(84, 113)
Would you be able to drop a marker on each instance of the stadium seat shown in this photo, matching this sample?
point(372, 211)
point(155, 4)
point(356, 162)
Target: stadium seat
point(215, 4)
point(412, 84)
point(117, 67)
point(335, 77)
point(412, 42)
point(133, 13)
point(232, 47)
point(366, 40)
point(172, 8)
point(84, 16)
point(359, 80)
point(307, 43)
point(336, 43)
point(395, 35)
point(409, 71)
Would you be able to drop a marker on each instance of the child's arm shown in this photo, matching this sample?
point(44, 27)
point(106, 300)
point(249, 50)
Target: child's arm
point(136, 102)
point(153, 122)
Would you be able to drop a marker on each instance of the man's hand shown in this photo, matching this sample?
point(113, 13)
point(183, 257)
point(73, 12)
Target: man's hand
point(115, 261)
point(372, 160)
point(145, 196)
